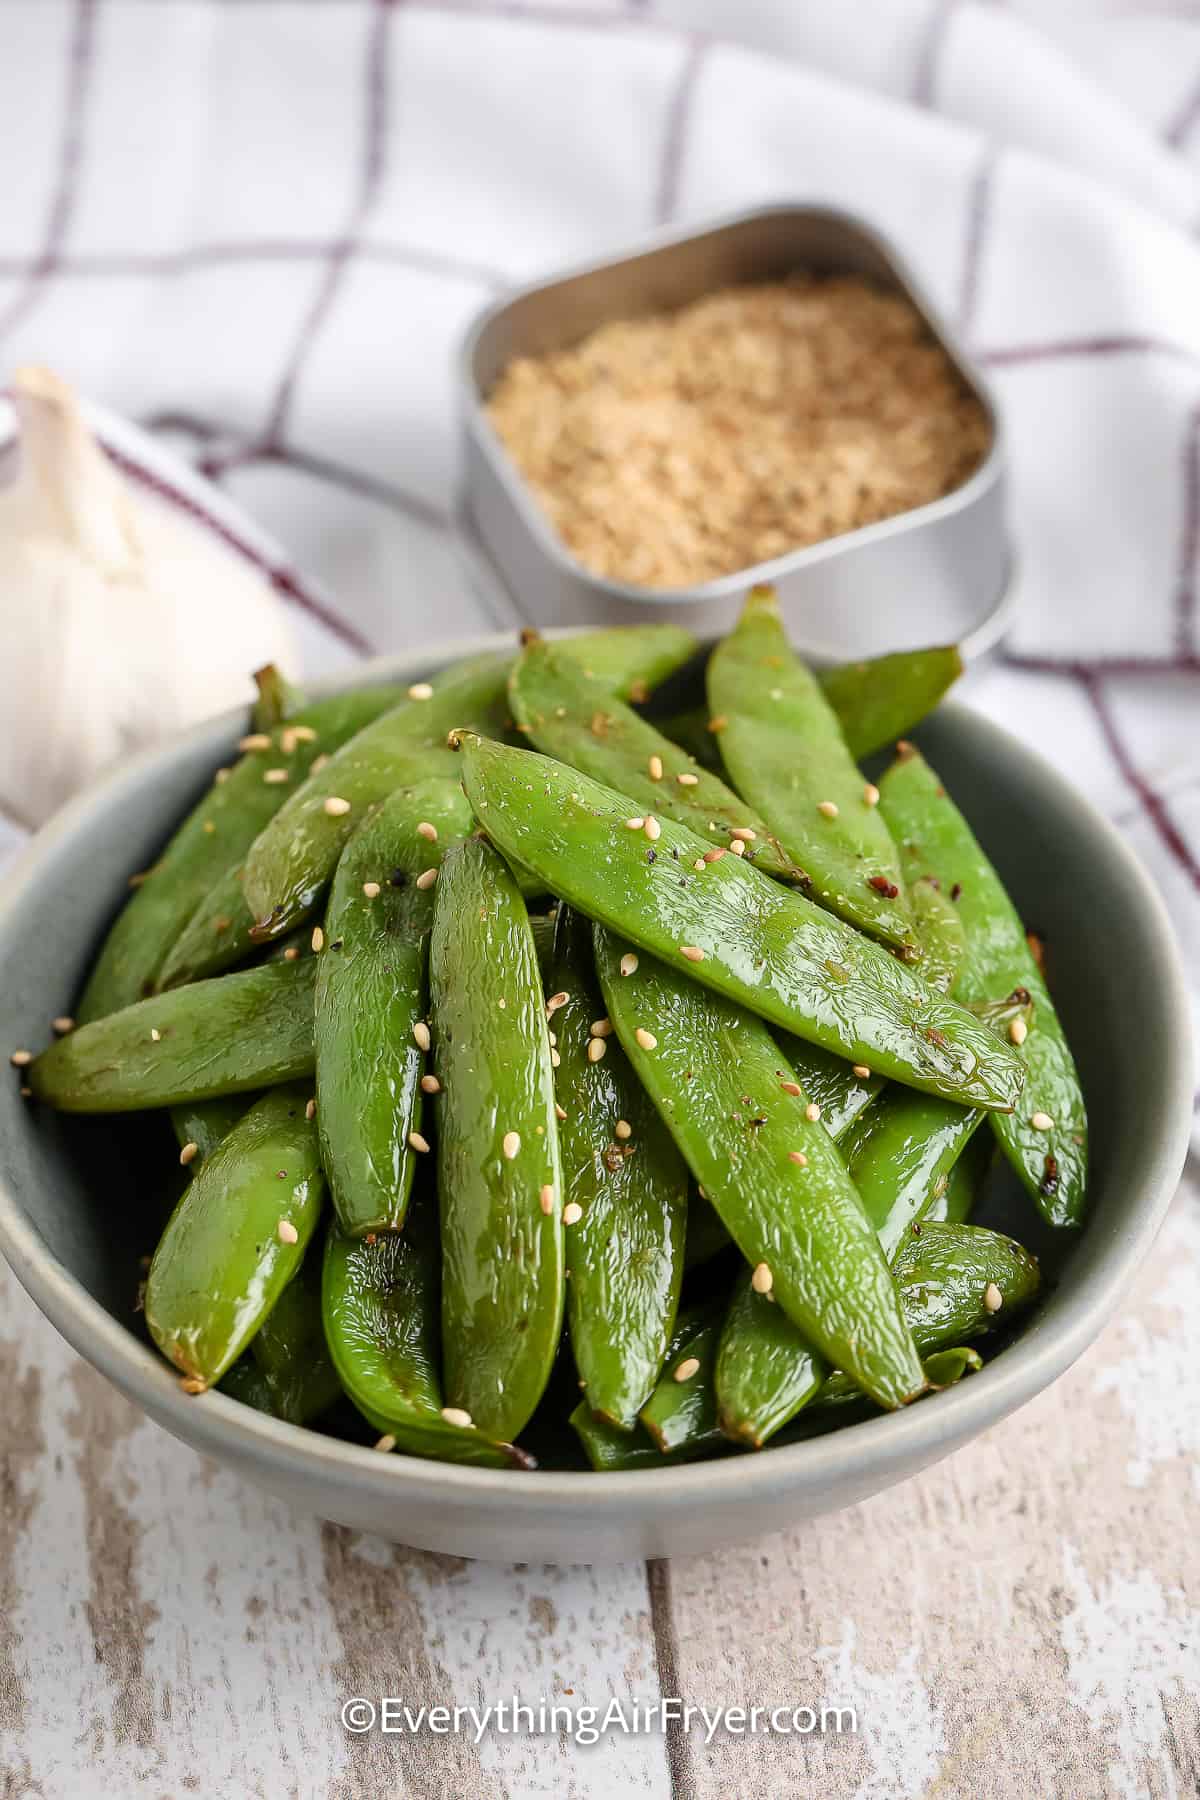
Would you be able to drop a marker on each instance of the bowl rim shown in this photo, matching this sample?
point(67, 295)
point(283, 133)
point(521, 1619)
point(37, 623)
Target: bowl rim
point(887, 1446)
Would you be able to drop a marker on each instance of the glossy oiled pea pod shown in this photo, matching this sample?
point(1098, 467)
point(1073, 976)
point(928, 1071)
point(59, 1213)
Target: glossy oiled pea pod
point(876, 702)
point(842, 1090)
point(372, 995)
point(940, 930)
point(957, 1200)
point(732, 928)
point(204, 1123)
point(768, 1166)
point(226, 1036)
point(289, 864)
point(630, 661)
point(213, 838)
point(289, 1348)
point(766, 1371)
point(218, 936)
point(236, 1238)
point(500, 1181)
point(784, 749)
point(380, 1304)
point(622, 1171)
point(569, 717)
point(608, 1448)
point(900, 1155)
point(1045, 1138)
point(681, 1413)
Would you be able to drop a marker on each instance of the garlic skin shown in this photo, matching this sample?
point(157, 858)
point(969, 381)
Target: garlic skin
point(123, 618)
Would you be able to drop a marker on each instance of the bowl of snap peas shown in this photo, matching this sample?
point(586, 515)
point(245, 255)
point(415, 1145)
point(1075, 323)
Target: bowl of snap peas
point(594, 1096)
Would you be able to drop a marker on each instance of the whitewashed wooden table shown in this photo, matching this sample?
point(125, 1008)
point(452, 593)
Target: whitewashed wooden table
point(1022, 1620)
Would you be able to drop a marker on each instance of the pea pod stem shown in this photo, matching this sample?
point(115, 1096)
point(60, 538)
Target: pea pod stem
point(742, 934)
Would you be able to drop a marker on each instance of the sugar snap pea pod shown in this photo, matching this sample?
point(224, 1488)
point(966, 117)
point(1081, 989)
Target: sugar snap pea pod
point(758, 942)
point(940, 930)
point(706, 1235)
point(622, 1172)
point(784, 749)
point(214, 836)
point(766, 1370)
point(203, 1123)
point(371, 997)
point(566, 715)
point(608, 1448)
point(690, 731)
point(630, 661)
point(942, 1370)
point(226, 1036)
point(380, 1304)
point(842, 1090)
point(289, 1347)
point(877, 701)
point(542, 927)
point(956, 1202)
point(247, 1383)
point(681, 1413)
point(742, 1123)
point(900, 1155)
point(1045, 1138)
point(497, 1139)
point(236, 1238)
point(218, 936)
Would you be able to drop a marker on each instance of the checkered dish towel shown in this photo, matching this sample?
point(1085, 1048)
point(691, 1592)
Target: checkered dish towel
point(262, 227)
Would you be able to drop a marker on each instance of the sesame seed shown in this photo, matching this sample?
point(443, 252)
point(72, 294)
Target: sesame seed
point(317, 940)
point(287, 1232)
point(310, 1110)
point(1018, 1030)
point(256, 740)
point(426, 879)
point(862, 1071)
point(600, 1028)
point(799, 1158)
point(743, 834)
point(420, 690)
point(555, 1001)
point(828, 808)
point(687, 780)
point(455, 1415)
point(629, 963)
point(63, 1024)
point(385, 1443)
point(303, 734)
point(502, 1003)
point(430, 1084)
point(624, 1129)
point(655, 767)
point(511, 1144)
point(546, 1199)
point(687, 1368)
point(738, 847)
point(155, 1035)
point(371, 889)
point(595, 1050)
point(428, 831)
point(291, 954)
point(761, 1280)
point(553, 1036)
point(698, 865)
point(653, 830)
point(572, 1213)
point(791, 1087)
point(692, 952)
point(1042, 1122)
point(560, 1112)
point(421, 1036)
point(287, 741)
point(336, 807)
point(714, 855)
point(556, 1059)
point(634, 824)
point(418, 1143)
point(189, 1153)
point(318, 763)
point(221, 776)
point(193, 1384)
point(870, 794)
point(26, 1093)
point(646, 1039)
point(993, 1299)
point(275, 777)
point(812, 1112)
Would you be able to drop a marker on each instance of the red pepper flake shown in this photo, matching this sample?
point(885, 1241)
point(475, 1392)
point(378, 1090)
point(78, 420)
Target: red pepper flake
point(956, 891)
point(936, 1037)
point(1049, 1181)
point(883, 886)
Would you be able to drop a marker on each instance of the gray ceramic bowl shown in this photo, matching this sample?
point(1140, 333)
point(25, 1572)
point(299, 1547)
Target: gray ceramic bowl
point(75, 1210)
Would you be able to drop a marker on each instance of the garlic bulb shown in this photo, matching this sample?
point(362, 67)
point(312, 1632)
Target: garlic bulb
point(123, 618)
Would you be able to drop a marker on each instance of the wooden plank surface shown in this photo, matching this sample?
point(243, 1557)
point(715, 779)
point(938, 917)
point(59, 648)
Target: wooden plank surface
point(1023, 1619)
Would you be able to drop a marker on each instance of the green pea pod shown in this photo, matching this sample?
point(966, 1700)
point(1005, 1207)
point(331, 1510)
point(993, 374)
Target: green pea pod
point(1050, 1156)
point(236, 1238)
point(621, 1168)
point(783, 747)
point(717, 1077)
point(629, 661)
point(956, 1202)
point(706, 1234)
point(289, 1347)
point(940, 930)
point(569, 717)
point(681, 1413)
point(277, 698)
point(608, 1448)
point(766, 1371)
point(945, 1367)
point(205, 1123)
point(371, 996)
point(836, 1086)
point(380, 1304)
point(876, 702)
point(247, 1383)
point(900, 1155)
point(215, 835)
point(498, 1162)
point(542, 926)
point(226, 1036)
point(218, 936)
point(754, 940)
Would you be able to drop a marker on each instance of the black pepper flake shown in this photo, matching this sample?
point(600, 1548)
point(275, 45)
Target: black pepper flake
point(336, 943)
point(397, 878)
point(936, 1037)
point(956, 890)
point(1021, 996)
point(757, 1122)
point(651, 856)
point(675, 853)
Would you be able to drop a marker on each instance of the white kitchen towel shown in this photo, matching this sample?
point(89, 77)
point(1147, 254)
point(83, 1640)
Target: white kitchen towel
point(260, 226)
